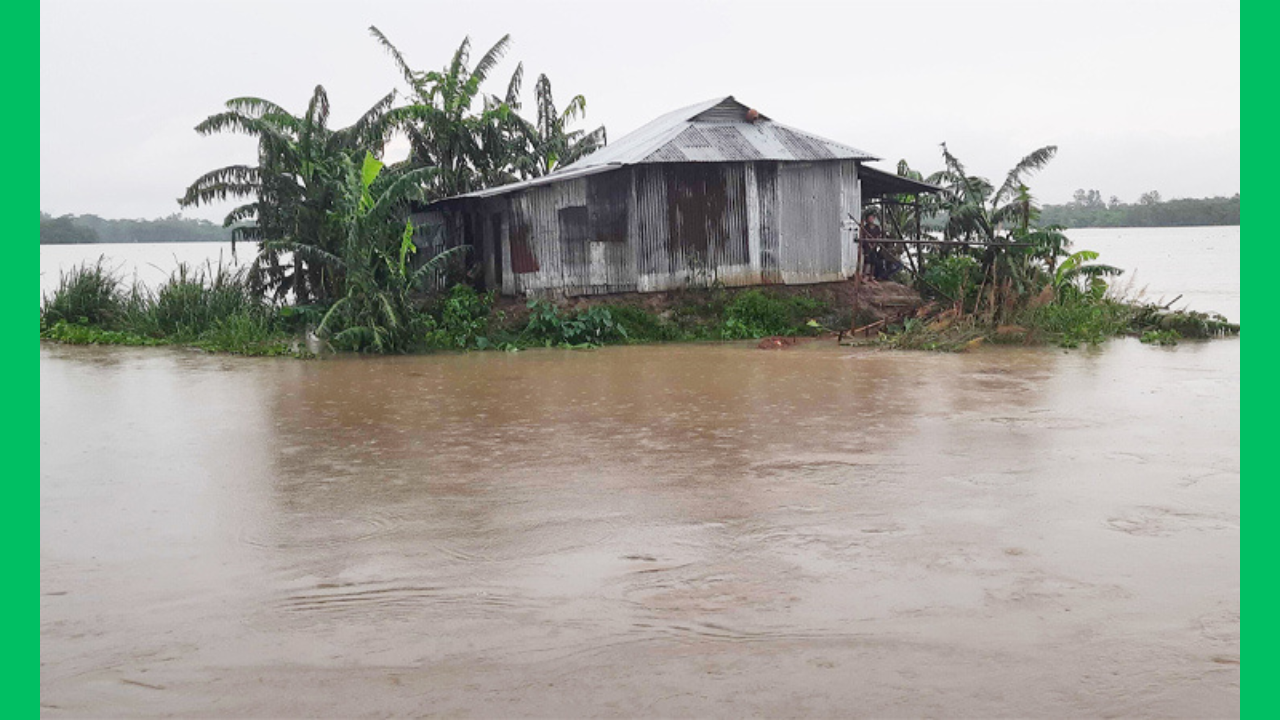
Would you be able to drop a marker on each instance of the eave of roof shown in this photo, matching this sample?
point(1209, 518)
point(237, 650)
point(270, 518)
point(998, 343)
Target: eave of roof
point(878, 183)
point(557, 176)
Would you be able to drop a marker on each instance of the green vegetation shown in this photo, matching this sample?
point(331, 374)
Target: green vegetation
point(1161, 337)
point(755, 314)
point(1020, 282)
point(210, 308)
point(329, 214)
point(467, 320)
point(89, 294)
point(550, 327)
point(1088, 209)
point(76, 229)
point(217, 309)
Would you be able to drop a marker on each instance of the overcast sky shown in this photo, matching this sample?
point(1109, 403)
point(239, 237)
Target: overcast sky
point(1138, 96)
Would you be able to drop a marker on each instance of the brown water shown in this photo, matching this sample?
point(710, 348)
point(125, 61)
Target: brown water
point(643, 531)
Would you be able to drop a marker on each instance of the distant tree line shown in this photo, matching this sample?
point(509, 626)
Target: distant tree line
point(1088, 209)
point(73, 229)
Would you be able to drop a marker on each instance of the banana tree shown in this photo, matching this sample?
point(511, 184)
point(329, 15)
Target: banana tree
point(979, 211)
point(292, 190)
point(443, 130)
point(554, 145)
point(1079, 277)
point(377, 312)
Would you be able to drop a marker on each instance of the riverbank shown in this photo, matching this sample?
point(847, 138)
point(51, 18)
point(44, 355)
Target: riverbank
point(216, 309)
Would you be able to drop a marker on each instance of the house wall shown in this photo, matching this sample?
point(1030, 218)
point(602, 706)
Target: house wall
point(692, 225)
point(667, 226)
point(809, 222)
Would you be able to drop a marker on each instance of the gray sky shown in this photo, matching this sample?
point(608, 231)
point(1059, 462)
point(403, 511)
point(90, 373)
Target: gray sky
point(1137, 95)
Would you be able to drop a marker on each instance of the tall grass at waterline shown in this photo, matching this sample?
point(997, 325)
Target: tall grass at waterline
point(88, 293)
point(211, 307)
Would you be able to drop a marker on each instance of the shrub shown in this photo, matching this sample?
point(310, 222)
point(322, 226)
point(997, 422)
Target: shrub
point(1076, 321)
point(590, 327)
point(954, 277)
point(639, 325)
point(212, 309)
point(1160, 337)
point(461, 320)
point(79, 334)
point(754, 314)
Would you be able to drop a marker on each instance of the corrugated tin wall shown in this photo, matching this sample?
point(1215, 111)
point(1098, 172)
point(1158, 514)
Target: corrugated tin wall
point(662, 227)
point(809, 222)
point(850, 216)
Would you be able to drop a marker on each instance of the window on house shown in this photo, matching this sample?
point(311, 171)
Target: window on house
point(573, 224)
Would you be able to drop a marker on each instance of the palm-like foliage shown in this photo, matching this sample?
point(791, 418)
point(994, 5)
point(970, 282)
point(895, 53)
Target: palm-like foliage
point(553, 144)
point(330, 221)
point(292, 190)
point(1078, 275)
point(377, 311)
point(494, 145)
point(1019, 258)
point(976, 209)
point(442, 128)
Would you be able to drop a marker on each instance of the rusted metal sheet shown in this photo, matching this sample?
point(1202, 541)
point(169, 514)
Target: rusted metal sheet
point(608, 197)
point(572, 238)
point(691, 225)
point(523, 261)
point(668, 226)
point(809, 222)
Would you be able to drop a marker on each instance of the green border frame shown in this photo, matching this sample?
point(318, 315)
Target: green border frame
point(21, 195)
point(1258, 101)
point(21, 23)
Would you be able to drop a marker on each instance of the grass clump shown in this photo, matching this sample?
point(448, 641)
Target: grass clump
point(210, 308)
point(1078, 321)
point(87, 294)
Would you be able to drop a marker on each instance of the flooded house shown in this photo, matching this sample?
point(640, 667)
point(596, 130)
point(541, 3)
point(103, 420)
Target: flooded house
point(714, 192)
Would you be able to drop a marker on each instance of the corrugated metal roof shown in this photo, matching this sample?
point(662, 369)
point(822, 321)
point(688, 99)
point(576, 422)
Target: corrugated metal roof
point(707, 132)
point(716, 130)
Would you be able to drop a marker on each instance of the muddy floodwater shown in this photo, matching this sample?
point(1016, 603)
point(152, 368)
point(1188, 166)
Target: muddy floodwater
point(688, 530)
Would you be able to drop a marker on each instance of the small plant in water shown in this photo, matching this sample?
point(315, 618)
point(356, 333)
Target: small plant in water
point(1161, 337)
